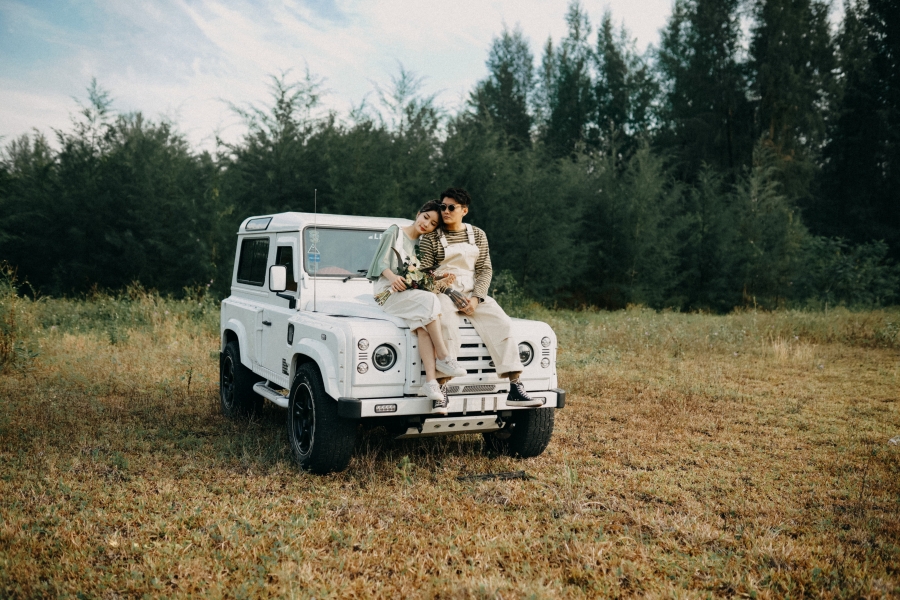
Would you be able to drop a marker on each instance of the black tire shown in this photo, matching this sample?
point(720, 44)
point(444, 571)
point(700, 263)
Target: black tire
point(526, 435)
point(321, 440)
point(236, 395)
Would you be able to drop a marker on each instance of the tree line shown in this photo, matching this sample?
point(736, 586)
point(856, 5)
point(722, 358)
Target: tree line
point(727, 167)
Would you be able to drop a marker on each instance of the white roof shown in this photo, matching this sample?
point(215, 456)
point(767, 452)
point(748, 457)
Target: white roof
point(294, 221)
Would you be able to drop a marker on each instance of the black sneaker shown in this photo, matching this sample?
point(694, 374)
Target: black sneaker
point(440, 407)
point(518, 397)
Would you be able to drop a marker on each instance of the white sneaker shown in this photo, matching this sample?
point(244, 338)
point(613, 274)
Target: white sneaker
point(449, 367)
point(431, 390)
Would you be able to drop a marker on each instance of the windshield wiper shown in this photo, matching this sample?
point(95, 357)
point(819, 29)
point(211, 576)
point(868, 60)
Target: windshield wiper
point(362, 273)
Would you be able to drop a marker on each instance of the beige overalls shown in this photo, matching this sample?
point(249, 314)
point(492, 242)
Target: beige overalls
point(489, 320)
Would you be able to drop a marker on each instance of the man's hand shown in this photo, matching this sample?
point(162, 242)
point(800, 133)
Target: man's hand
point(446, 278)
point(473, 304)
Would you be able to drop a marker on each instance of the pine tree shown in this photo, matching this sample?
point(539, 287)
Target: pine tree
point(861, 176)
point(504, 98)
point(707, 247)
point(630, 229)
point(791, 63)
point(566, 76)
point(770, 234)
point(625, 89)
point(706, 116)
point(274, 167)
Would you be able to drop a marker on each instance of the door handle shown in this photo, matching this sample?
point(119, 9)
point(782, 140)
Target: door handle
point(269, 323)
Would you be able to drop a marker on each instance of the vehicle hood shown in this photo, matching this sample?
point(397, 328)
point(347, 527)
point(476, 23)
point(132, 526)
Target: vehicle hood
point(363, 306)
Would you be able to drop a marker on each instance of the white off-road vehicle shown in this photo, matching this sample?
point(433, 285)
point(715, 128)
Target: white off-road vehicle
point(302, 330)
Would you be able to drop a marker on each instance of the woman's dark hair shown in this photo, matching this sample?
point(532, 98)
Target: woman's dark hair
point(458, 194)
point(433, 205)
point(429, 206)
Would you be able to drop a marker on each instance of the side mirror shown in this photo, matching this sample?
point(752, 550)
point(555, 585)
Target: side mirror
point(278, 283)
point(277, 278)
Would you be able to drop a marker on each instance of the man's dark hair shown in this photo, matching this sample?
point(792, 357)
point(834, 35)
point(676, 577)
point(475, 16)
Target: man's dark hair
point(458, 194)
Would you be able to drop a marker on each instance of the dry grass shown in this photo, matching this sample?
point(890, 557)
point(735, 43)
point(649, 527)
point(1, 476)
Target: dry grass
point(698, 456)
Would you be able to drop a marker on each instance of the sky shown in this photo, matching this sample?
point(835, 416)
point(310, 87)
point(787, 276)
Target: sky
point(189, 60)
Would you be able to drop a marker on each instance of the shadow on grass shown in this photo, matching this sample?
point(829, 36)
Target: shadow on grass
point(121, 431)
point(261, 442)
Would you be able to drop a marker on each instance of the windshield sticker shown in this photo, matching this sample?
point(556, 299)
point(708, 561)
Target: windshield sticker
point(313, 258)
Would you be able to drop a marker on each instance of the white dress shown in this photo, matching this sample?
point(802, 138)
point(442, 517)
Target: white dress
point(417, 307)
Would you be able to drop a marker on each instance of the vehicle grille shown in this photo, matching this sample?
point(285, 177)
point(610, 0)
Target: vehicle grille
point(477, 388)
point(470, 389)
point(476, 360)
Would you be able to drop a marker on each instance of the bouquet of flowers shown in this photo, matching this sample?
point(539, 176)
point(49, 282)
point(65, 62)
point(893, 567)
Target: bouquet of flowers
point(417, 278)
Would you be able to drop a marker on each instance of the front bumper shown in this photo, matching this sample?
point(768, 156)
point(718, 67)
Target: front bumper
point(472, 404)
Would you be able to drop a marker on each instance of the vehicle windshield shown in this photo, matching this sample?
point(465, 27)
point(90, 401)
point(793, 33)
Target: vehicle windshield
point(330, 252)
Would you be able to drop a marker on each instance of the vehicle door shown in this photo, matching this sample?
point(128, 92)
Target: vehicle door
point(249, 295)
point(277, 338)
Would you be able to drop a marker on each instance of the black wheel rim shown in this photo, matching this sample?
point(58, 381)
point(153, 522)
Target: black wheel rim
point(227, 383)
point(303, 419)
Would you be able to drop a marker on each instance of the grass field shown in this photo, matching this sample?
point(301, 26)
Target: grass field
point(698, 456)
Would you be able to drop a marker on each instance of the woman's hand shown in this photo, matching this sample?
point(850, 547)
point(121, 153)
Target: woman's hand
point(473, 304)
point(398, 284)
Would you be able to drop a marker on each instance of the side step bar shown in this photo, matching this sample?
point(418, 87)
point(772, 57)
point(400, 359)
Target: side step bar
point(273, 396)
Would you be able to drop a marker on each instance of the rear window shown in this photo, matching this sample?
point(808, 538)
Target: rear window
point(252, 263)
point(339, 252)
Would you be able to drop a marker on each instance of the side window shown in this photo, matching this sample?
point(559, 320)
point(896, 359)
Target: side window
point(252, 264)
point(284, 255)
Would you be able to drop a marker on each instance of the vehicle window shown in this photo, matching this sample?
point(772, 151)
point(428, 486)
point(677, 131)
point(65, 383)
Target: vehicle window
point(252, 263)
point(339, 252)
point(284, 255)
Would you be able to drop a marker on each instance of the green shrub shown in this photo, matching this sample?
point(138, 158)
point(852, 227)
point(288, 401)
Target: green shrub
point(7, 314)
point(836, 273)
point(15, 319)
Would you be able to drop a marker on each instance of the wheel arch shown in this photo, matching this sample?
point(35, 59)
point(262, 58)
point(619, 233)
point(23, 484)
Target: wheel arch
point(234, 331)
point(317, 354)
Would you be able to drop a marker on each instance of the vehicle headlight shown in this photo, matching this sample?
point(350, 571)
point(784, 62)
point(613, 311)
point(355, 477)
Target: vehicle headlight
point(545, 342)
point(526, 353)
point(363, 344)
point(384, 357)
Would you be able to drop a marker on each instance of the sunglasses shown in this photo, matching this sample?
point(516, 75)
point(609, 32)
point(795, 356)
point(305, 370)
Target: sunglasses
point(450, 207)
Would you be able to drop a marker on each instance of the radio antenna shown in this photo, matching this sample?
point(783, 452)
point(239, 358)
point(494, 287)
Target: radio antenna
point(315, 241)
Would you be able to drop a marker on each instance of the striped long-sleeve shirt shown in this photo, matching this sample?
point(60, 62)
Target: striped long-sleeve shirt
point(432, 254)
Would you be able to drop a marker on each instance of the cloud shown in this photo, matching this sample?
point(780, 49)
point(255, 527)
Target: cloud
point(32, 109)
point(326, 9)
point(181, 58)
